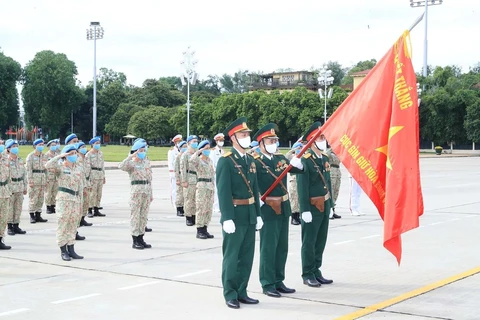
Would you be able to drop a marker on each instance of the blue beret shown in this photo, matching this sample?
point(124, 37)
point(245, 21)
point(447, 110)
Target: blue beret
point(10, 143)
point(57, 140)
point(96, 139)
point(79, 144)
point(297, 145)
point(51, 141)
point(254, 144)
point(69, 148)
point(182, 144)
point(70, 138)
point(203, 144)
point(138, 145)
point(38, 141)
point(139, 139)
point(190, 138)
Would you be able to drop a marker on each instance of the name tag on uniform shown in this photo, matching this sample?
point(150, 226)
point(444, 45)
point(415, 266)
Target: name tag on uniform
point(67, 171)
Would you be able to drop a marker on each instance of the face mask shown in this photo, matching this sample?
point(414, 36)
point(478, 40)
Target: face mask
point(206, 153)
point(146, 148)
point(39, 148)
point(183, 150)
point(96, 146)
point(278, 144)
point(72, 159)
point(322, 145)
point(220, 143)
point(141, 155)
point(244, 142)
point(83, 150)
point(271, 148)
point(2, 148)
point(14, 150)
point(194, 145)
point(297, 151)
point(53, 148)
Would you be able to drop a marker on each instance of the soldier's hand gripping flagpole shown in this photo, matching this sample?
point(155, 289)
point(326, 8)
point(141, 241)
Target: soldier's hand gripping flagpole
point(284, 173)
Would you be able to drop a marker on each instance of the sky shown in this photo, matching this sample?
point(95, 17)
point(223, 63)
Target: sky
point(146, 38)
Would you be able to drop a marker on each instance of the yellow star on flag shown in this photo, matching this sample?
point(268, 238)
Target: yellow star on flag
point(391, 132)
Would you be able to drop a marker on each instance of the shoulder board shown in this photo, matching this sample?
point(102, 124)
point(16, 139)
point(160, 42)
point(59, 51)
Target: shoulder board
point(256, 156)
point(278, 154)
point(227, 154)
point(324, 154)
point(307, 155)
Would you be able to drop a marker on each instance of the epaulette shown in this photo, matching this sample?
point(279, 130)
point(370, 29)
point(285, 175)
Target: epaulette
point(324, 154)
point(278, 154)
point(256, 156)
point(227, 154)
point(307, 155)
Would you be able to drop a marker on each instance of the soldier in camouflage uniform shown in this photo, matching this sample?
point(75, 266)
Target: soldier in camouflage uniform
point(336, 178)
point(52, 185)
point(68, 199)
point(18, 187)
point(97, 177)
point(179, 201)
point(292, 185)
point(37, 180)
point(84, 168)
point(5, 194)
point(188, 179)
point(205, 188)
point(140, 193)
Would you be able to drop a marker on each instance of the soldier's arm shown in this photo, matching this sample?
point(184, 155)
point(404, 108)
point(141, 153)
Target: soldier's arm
point(24, 179)
point(290, 154)
point(256, 192)
point(183, 168)
point(329, 182)
point(127, 164)
point(224, 187)
point(293, 169)
point(303, 184)
point(29, 167)
point(53, 164)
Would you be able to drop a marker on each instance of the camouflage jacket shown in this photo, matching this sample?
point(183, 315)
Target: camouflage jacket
point(96, 164)
point(70, 179)
point(186, 171)
point(140, 174)
point(50, 173)
point(18, 175)
point(205, 171)
point(36, 173)
point(5, 182)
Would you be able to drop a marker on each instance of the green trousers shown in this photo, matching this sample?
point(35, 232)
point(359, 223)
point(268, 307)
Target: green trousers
point(273, 252)
point(314, 239)
point(238, 250)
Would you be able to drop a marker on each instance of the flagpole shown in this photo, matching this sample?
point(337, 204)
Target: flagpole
point(420, 18)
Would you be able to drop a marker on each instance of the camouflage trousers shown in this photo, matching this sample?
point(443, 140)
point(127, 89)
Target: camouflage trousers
point(51, 192)
point(36, 195)
point(85, 203)
point(292, 190)
point(16, 202)
point(96, 193)
point(67, 221)
point(189, 200)
point(179, 196)
point(204, 206)
point(336, 178)
point(4, 209)
point(139, 206)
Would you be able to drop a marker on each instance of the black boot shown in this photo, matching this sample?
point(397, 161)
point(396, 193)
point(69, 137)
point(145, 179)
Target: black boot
point(79, 237)
point(189, 221)
point(54, 209)
point(194, 220)
point(143, 243)
point(335, 216)
point(64, 254)
point(209, 236)
point(49, 209)
point(17, 229)
point(147, 229)
point(11, 231)
point(136, 244)
point(295, 218)
point(72, 253)
point(38, 217)
point(32, 217)
point(90, 213)
point(100, 208)
point(201, 233)
point(97, 213)
point(3, 246)
point(179, 212)
point(84, 223)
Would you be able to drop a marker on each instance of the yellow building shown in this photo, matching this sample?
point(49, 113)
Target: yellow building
point(358, 77)
point(284, 81)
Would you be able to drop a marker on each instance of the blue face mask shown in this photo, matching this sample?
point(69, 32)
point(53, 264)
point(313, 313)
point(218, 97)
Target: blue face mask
point(184, 150)
point(297, 151)
point(72, 159)
point(2, 148)
point(206, 153)
point(278, 144)
point(96, 146)
point(194, 145)
point(53, 148)
point(83, 150)
point(141, 155)
point(39, 148)
point(14, 150)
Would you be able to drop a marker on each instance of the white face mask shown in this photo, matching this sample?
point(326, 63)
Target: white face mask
point(271, 148)
point(244, 142)
point(322, 145)
point(220, 143)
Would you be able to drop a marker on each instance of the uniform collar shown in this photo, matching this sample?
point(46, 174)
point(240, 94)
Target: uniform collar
point(269, 157)
point(241, 154)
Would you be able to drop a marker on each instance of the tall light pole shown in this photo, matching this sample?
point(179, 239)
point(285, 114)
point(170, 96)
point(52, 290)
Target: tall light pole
point(425, 3)
point(325, 79)
point(93, 33)
point(189, 78)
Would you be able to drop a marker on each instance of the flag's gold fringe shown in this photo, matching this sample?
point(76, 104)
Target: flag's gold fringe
point(407, 44)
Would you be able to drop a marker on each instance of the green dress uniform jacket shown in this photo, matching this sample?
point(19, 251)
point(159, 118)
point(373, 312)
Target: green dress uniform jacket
point(314, 234)
point(238, 247)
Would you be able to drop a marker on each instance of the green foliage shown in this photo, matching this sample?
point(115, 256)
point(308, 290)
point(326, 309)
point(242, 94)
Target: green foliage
point(118, 123)
point(360, 66)
point(151, 123)
point(10, 72)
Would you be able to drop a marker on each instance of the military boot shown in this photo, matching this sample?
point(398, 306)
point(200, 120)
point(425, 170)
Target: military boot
point(79, 237)
point(136, 244)
point(201, 233)
point(84, 223)
point(189, 221)
point(147, 229)
point(295, 218)
point(209, 236)
point(3, 246)
point(72, 253)
point(17, 229)
point(143, 243)
point(90, 213)
point(179, 212)
point(11, 231)
point(49, 209)
point(97, 213)
point(194, 220)
point(32, 217)
point(64, 254)
point(38, 217)
point(54, 209)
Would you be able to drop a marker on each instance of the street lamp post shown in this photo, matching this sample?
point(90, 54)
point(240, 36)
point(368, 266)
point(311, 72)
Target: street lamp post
point(325, 80)
point(189, 78)
point(93, 33)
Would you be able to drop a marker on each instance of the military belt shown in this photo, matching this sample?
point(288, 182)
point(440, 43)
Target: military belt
point(4, 183)
point(139, 182)
point(38, 171)
point(96, 169)
point(282, 198)
point(334, 166)
point(17, 179)
point(243, 202)
point(192, 172)
point(70, 191)
point(204, 180)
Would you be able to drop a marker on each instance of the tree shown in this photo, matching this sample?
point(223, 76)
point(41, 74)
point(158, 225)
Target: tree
point(156, 93)
point(236, 83)
point(472, 121)
point(360, 66)
point(106, 77)
point(10, 72)
point(50, 92)
point(118, 123)
point(109, 98)
point(151, 123)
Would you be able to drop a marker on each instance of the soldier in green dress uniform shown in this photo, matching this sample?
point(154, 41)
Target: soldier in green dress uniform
point(275, 212)
point(238, 192)
point(315, 202)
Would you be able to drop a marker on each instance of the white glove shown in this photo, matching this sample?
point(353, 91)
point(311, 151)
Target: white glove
point(307, 216)
point(172, 174)
point(297, 163)
point(229, 226)
point(259, 223)
point(261, 203)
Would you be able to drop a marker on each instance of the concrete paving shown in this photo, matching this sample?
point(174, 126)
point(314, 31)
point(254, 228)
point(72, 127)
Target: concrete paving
point(179, 278)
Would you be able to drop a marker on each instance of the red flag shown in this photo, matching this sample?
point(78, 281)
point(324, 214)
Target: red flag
point(376, 136)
